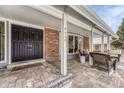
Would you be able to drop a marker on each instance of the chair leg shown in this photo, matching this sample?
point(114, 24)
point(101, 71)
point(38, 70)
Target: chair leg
point(119, 57)
point(114, 65)
point(93, 64)
point(108, 69)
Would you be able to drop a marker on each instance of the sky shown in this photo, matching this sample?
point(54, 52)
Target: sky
point(112, 15)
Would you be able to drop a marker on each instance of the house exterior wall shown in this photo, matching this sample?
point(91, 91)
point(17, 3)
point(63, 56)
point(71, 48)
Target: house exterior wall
point(51, 44)
point(42, 19)
point(86, 43)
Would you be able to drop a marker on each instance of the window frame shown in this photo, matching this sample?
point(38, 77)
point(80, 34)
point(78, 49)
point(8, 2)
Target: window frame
point(74, 35)
point(5, 41)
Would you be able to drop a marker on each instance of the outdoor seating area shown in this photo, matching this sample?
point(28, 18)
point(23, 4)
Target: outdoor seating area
point(102, 60)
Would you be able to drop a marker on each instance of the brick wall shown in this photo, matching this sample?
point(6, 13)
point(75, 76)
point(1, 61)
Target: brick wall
point(51, 44)
point(86, 42)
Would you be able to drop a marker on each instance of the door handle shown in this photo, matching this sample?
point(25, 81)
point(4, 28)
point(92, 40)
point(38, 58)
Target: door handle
point(29, 46)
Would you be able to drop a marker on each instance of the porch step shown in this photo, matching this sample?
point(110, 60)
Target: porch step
point(25, 63)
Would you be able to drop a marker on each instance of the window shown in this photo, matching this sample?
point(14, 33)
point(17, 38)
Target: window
point(74, 43)
point(2, 40)
point(71, 47)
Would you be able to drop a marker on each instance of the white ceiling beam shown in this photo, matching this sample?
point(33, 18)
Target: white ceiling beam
point(76, 22)
point(48, 10)
point(58, 14)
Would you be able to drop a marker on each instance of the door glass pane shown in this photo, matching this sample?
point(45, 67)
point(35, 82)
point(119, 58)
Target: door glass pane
point(71, 47)
point(2, 37)
point(76, 44)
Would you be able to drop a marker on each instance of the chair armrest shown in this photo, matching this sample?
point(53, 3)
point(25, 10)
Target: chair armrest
point(112, 61)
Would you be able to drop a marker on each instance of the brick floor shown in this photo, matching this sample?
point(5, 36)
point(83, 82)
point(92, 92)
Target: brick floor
point(87, 77)
point(28, 77)
point(84, 76)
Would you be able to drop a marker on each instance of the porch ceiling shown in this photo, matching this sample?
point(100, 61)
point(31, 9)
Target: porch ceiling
point(77, 30)
point(29, 15)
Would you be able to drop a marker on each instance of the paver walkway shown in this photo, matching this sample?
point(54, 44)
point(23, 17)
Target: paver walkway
point(87, 77)
point(33, 76)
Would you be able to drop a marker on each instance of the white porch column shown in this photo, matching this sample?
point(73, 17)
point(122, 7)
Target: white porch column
point(92, 40)
point(108, 42)
point(91, 48)
point(102, 45)
point(64, 45)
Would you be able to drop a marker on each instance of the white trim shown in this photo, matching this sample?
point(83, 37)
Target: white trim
point(76, 22)
point(75, 34)
point(102, 44)
point(48, 10)
point(72, 53)
point(71, 34)
point(21, 23)
point(97, 31)
point(64, 45)
point(27, 62)
point(5, 27)
point(91, 43)
point(58, 14)
point(2, 61)
point(5, 40)
point(9, 43)
point(108, 43)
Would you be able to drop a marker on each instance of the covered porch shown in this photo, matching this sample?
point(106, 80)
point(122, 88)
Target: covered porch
point(65, 30)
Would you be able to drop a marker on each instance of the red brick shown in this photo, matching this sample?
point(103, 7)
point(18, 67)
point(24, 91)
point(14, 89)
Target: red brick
point(51, 44)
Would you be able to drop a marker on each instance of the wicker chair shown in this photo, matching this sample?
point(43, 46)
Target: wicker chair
point(100, 60)
point(86, 55)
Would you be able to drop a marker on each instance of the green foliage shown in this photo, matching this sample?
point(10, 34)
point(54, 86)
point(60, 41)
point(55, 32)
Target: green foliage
point(119, 42)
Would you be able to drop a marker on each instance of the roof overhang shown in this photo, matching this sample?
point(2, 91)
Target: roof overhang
point(90, 15)
point(85, 11)
point(58, 14)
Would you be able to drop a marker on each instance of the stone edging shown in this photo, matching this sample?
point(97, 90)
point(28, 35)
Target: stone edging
point(61, 81)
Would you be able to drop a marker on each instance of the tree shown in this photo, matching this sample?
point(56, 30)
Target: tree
point(119, 42)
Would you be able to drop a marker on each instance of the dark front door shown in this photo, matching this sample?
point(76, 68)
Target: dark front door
point(27, 43)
